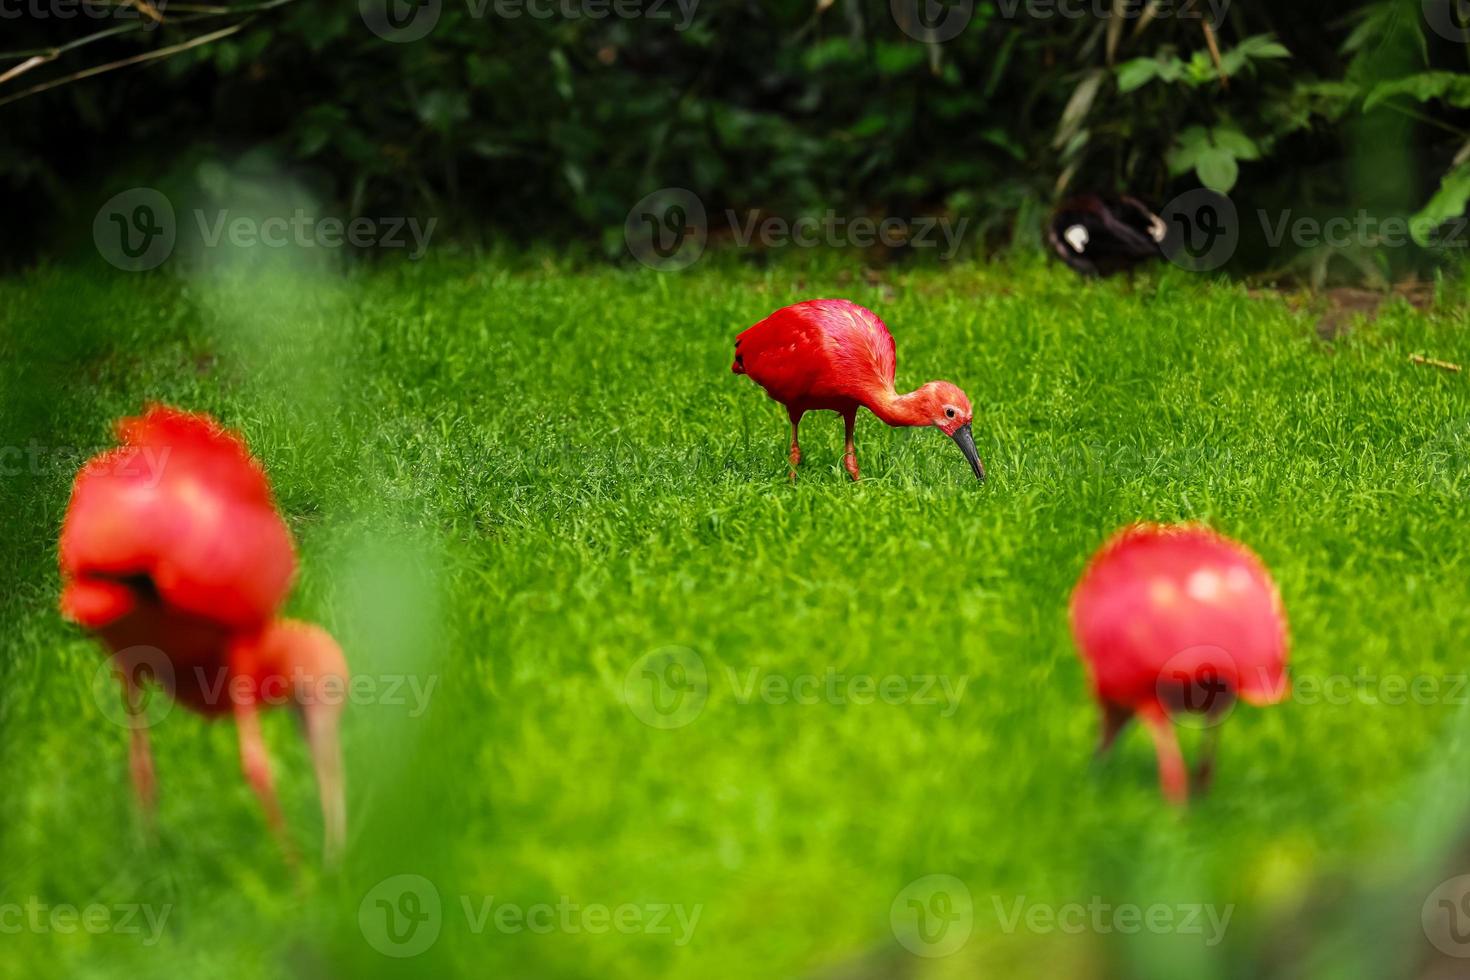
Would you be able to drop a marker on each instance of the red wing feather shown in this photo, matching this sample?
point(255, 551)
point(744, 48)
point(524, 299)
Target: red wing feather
point(820, 349)
point(183, 503)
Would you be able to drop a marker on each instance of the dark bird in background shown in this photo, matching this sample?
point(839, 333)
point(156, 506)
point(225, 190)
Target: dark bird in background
point(1100, 236)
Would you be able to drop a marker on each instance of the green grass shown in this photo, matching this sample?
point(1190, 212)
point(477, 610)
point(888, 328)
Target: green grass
point(517, 481)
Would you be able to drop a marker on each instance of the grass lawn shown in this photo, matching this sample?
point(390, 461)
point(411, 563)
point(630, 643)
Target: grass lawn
point(541, 491)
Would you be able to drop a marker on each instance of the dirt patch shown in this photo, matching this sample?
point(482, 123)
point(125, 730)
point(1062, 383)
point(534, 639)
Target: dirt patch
point(1338, 308)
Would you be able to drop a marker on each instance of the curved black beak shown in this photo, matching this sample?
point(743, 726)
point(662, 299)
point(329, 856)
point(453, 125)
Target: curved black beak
point(966, 443)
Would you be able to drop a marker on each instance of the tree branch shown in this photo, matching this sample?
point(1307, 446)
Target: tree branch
point(172, 49)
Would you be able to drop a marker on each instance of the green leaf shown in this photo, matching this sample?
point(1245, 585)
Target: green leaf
point(897, 59)
point(1452, 87)
point(576, 177)
point(1257, 47)
point(1447, 203)
point(312, 139)
point(561, 71)
point(1217, 169)
point(831, 51)
point(1075, 145)
point(1213, 154)
point(1236, 143)
point(1135, 74)
point(226, 56)
point(1200, 70)
point(491, 149)
point(998, 137)
point(1077, 107)
point(442, 108)
point(1263, 46)
point(1185, 152)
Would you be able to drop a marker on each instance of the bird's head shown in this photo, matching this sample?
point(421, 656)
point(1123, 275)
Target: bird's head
point(947, 408)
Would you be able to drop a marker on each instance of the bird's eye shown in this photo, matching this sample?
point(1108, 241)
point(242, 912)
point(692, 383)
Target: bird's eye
point(949, 412)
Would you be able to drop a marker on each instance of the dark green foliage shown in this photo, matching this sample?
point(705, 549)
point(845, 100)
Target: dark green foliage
point(554, 126)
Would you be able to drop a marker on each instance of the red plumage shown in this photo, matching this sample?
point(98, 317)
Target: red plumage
point(1174, 621)
point(834, 355)
point(183, 503)
point(173, 552)
point(820, 353)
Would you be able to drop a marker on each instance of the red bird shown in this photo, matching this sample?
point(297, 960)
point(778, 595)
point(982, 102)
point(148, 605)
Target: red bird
point(1178, 620)
point(172, 551)
point(833, 355)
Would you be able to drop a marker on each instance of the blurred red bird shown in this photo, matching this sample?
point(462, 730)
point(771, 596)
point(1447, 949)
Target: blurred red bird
point(172, 551)
point(1176, 622)
point(831, 354)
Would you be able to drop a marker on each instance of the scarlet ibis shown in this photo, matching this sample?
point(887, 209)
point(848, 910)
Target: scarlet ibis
point(1176, 622)
point(834, 355)
point(1100, 236)
point(173, 553)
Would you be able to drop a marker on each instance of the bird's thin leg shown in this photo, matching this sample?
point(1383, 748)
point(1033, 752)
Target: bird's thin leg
point(1114, 717)
point(795, 455)
point(321, 722)
point(1173, 778)
point(255, 761)
point(1204, 771)
point(140, 755)
point(849, 451)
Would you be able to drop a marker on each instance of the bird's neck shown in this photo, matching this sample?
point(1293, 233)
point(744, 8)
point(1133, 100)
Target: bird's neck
point(898, 410)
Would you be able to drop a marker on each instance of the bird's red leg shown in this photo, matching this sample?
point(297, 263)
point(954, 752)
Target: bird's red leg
point(140, 755)
point(326, 755)
point(255, 761)
point(1173, 778)
point(795, 455)
point(849, 452)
